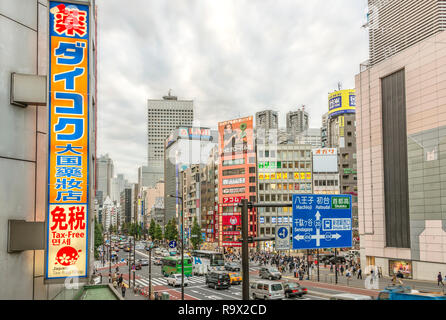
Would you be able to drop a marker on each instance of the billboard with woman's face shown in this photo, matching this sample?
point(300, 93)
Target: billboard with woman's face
point(236, 137)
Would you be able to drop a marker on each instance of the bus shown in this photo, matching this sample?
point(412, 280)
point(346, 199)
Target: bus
point(406, 293)
point(170, 265)
point(205, 261)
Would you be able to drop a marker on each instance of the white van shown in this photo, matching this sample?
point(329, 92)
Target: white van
point(267, 290)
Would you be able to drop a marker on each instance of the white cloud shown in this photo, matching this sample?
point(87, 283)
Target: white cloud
point(232, 57)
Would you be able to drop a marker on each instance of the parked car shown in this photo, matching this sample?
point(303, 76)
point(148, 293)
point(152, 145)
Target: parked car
point(218, 279)
point(331, 259)
point(294, 289)
point(232, 266)
point(235, 278)
point(270, 273)
point(267, 290)
point(175, 280)
point(165, 253)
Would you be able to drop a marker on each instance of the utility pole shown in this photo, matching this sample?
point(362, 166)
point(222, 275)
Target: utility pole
point(109, 251)
point(150, 273)
point(134, 260)
point(245, 205)
point(245, 253)
point(336, 265)
point(128, 261)
point(317, 254)
point(182, 243)
point(182, 250)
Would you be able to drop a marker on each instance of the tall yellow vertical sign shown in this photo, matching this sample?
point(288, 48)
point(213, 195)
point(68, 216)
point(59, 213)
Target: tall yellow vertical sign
point(68, 149)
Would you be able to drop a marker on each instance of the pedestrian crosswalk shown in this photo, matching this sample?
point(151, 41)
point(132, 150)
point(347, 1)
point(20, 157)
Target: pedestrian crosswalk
point(162, 281)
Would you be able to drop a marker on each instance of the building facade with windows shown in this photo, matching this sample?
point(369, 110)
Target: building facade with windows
point(267, 119)
point(297, 121)
point(282, 170)
point(163, 116)
point(401, 142)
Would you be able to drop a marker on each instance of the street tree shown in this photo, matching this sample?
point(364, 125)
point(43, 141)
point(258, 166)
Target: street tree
point(152, 229)
point(158, 232)
point(98, 238)
point(196, 235)
point(174, 231)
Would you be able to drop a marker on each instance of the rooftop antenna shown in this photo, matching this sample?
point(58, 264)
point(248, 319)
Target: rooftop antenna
point(339, 85)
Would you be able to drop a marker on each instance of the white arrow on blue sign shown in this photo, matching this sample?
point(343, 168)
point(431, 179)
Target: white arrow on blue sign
point(282, 238)
point(172, 244)
point(322, 221)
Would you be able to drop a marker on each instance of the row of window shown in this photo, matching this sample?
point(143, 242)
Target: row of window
point(285, 154)
point(284, 186)
point(274, 220)
point(278, 210)
point(285, 165)
point(281, 197)
point(323, 183)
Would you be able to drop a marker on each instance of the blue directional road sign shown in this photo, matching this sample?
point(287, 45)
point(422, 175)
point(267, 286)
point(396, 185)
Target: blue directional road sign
point(172, 244)
point(282, 238)
point(322, 221)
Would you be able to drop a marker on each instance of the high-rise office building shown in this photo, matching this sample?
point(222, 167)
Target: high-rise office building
point(118, 185)
point(267, 119)
point(297, 121)
point(398, 24)
point(401, 147)
point(143, 176)
point(127, 205)
point(164, 116)
point(104, 175)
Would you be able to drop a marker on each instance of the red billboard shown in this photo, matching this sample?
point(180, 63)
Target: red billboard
point(237, 162)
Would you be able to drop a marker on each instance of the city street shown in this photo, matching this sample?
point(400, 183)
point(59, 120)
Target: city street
point(198, 290)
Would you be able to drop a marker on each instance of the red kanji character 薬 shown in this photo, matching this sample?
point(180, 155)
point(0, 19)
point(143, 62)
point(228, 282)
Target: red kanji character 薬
point(69, 21)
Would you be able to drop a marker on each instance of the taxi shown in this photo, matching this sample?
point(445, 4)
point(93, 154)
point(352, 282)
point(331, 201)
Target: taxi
point(235, 277)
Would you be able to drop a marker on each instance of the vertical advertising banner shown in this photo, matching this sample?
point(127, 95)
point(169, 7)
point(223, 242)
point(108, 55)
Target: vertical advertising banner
point(68, 149)
point(236, 154)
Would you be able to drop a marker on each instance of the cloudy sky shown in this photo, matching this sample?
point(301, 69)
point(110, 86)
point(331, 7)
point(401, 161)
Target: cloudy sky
point(232, 57)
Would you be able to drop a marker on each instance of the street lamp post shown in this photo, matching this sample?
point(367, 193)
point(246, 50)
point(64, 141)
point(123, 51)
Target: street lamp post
point(182, 244)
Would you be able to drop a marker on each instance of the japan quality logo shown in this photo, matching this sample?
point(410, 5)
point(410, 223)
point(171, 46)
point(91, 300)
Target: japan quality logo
point(233, 220)
point(67, 256)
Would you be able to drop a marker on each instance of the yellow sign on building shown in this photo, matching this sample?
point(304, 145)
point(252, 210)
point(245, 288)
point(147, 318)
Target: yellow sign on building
point(341, 102)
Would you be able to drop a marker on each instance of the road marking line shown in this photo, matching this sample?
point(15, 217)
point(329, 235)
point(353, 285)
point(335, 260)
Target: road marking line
point(203, 288)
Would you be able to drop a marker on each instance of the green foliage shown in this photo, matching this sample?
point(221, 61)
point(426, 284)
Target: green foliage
point(171, 231)
point(98, 238)
point(158, 232)
point(152, 228)
point(196, 235)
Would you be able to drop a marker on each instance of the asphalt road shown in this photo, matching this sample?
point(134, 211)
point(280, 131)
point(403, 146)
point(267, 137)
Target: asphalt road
point(196, 289)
